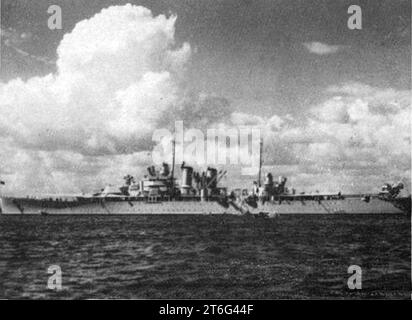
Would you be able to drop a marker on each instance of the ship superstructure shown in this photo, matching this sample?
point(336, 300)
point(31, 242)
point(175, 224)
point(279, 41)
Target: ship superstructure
point(160, 185)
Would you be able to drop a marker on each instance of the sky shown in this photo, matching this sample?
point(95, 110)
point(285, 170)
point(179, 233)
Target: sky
point(78, 106)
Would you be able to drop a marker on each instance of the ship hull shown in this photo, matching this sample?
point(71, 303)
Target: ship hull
point(103, 206)
point(12, 205)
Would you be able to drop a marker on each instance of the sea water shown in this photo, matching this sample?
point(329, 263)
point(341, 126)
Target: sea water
point(194, 256)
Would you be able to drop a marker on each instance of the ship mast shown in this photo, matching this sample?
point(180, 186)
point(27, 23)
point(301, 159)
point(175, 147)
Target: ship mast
point(172, 176)
point(1, 207)
point(260, 161)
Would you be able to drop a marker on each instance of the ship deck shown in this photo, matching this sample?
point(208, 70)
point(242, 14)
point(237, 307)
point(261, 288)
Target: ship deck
point(106, 206)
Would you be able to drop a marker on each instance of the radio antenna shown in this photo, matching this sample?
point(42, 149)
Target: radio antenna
point(172, 176)
point(260, 161)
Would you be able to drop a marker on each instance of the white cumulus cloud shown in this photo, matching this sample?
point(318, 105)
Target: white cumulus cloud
point(354, 141)
point(117, 81)
point(117, 74)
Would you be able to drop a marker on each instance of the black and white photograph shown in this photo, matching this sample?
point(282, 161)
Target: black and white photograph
point(186, 150)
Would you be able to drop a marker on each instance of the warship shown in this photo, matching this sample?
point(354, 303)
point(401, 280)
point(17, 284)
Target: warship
point(159, 192)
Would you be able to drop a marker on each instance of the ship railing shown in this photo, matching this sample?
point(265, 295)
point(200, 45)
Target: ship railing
point(150, 198)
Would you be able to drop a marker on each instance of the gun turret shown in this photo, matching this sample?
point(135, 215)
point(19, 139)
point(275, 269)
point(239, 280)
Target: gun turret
point(128, 180)
point(392, 191)
point(165, 170)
